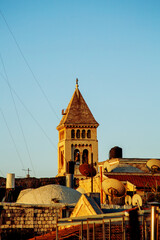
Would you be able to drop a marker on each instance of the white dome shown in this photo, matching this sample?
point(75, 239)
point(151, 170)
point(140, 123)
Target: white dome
point(49, 194)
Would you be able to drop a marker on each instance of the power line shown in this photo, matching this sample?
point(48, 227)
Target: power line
point(9, 131)
point(31, 115)
point(28, 65)
point(18, 117)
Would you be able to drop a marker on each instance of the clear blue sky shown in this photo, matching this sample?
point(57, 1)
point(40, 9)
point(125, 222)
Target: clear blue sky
point(113, 47)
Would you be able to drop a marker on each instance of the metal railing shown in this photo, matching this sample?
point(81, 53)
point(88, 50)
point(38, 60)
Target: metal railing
point(104, 226)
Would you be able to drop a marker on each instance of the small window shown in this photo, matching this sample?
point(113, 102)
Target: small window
point(72, 133)
point(62, 158)
point(83, 133)
point(89, 134)
point(78, 133)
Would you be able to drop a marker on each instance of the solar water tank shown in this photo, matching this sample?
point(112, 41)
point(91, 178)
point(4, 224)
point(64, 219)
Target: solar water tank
point(115, 152)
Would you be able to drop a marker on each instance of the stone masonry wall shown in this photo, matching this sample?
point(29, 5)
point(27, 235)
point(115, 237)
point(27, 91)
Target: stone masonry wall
point(33, 219)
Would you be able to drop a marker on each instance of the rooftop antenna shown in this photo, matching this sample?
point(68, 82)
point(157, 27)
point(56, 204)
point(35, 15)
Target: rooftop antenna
point(28, 170)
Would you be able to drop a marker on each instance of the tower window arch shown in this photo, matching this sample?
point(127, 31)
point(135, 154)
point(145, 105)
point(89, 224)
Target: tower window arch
point(76, 156)
point(83, 133)
point(89, 134)
point(72, 133)
point(78, 134)
point(85, 156)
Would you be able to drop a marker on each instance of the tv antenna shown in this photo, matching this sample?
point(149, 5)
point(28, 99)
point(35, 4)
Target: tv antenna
point(28, 170)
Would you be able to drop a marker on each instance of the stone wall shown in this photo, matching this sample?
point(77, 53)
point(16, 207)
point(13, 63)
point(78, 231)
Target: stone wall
point(34, 182)
point(29, 219)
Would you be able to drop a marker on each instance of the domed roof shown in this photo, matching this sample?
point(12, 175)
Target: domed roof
point(49, 194)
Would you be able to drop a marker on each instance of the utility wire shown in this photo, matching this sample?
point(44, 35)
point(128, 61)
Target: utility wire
point(28, 65)
point(18, 117)
point(12, 138)
point(27, 110)
point(38, 124)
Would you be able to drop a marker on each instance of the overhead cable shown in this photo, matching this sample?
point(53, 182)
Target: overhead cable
point(28, 65)
point(17, 114)
point(28, 111)
point(9, 131)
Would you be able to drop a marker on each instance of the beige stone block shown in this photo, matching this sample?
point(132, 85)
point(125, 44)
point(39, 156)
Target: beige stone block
point(19, 226)
point(8, 222)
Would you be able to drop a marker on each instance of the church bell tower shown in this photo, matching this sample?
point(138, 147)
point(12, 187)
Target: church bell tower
point(77, 135)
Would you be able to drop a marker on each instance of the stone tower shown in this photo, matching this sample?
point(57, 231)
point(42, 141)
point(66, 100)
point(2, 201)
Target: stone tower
point(77, 135)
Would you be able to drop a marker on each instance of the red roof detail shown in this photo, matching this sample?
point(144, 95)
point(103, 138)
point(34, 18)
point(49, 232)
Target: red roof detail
point(139, 181)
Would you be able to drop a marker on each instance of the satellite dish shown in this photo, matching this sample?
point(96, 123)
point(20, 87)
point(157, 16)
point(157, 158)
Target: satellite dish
point(87, 170)
point(128, 200)
point(109, 165)
point(113, 187)
point(153, 165)
point(136, 200)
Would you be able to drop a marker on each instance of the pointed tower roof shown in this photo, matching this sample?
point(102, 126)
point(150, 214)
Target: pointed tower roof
point(77, 112)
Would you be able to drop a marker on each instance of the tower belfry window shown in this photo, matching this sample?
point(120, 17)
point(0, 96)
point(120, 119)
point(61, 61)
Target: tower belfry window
point(85, 156)
point(89, 134)
point(78, 133)
point(72, 133)
point(83, 133)
point(76, 156)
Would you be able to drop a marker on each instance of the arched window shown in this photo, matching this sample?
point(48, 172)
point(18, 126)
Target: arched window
point(83, 133)
point(61, 158)
point(72, 133)
point(78, 134)
point(85, 156)
point(89, 134)
point(76, 156)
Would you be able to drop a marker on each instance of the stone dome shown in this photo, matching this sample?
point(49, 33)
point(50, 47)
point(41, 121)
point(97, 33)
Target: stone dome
point(49, 194)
